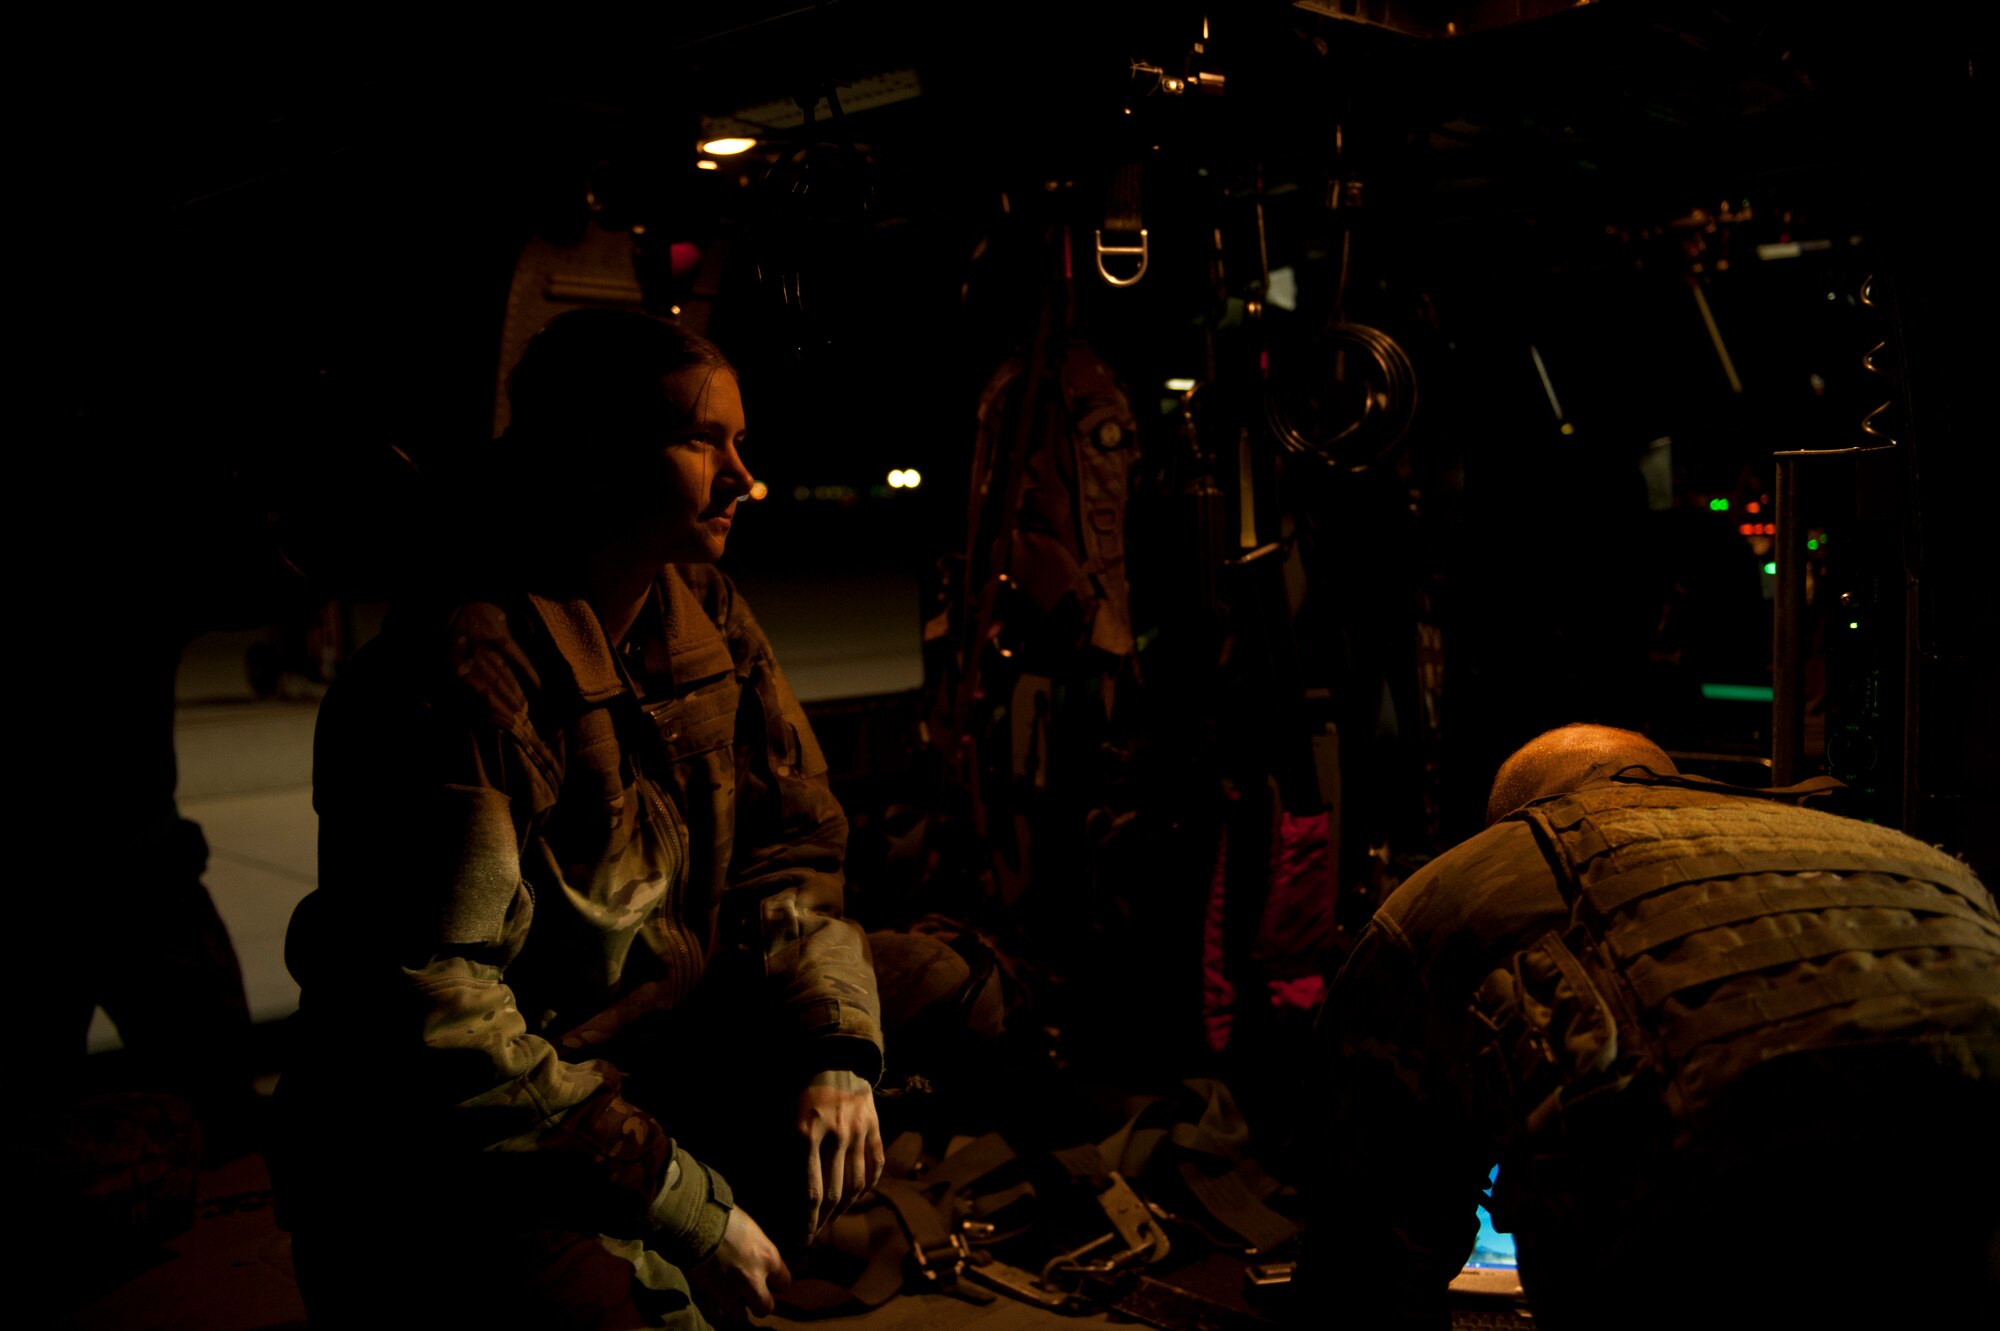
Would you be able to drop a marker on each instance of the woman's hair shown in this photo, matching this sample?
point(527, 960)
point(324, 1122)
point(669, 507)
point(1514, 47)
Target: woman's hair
point(588, 385)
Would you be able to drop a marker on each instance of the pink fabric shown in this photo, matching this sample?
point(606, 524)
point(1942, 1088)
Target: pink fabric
point(1303, 993)
point(1296, 928)
point(1217, 993)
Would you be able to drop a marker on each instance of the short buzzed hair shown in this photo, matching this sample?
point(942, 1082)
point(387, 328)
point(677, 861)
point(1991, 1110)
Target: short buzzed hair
point(1568, 758)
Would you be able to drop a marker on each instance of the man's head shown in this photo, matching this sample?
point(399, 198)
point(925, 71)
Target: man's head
point(1559, 761)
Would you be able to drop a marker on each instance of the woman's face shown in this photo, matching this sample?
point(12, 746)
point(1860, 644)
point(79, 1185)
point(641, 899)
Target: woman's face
point(689, 498)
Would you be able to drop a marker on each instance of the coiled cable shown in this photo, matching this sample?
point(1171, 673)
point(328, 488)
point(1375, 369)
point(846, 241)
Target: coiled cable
point(1347, 400)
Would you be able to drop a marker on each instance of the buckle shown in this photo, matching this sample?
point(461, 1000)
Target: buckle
point(1132, 1224)
point(930, 1265)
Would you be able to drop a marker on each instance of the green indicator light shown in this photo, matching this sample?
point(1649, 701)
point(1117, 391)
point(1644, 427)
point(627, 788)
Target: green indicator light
point(1771, 567)
point(1718, 505)
point(1854, 623)
point(1812, 545)
point(1737, 692)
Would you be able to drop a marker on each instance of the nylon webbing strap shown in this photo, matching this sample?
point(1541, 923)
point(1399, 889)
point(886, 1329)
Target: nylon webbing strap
point(882, 1239)
point(968, 1164)
point(980, 964)
point(1609, 891)
point(1718, 1021)
point(1227, 1197)
point(1085, 1162)
point(921, 1221)
point(904, 1156)
point(987, 1205)
point(1157, 1303)
point(1121, 200)
point(915, 1217)
point(1653, 982)
point(1675, 923)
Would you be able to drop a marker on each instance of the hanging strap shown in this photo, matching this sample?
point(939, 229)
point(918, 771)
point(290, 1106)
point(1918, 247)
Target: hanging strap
point(1122, 216)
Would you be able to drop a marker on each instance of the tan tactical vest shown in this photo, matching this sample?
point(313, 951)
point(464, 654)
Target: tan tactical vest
point(1712, 930)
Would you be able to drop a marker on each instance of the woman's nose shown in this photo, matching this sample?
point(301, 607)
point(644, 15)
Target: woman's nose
point(734, 476)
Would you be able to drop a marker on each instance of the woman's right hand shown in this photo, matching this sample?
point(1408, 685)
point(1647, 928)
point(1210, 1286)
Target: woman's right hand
point(745, 1269)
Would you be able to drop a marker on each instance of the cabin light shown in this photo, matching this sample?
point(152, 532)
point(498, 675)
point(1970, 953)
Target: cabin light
point(728, 147)
point(707, 164)
point(1180, 385)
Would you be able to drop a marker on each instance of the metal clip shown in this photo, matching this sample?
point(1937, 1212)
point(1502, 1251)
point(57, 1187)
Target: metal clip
point(1021, 1284)
point(1141, 249)
point(956, 1249)
point(1132, 1224)
point(1132, 1221)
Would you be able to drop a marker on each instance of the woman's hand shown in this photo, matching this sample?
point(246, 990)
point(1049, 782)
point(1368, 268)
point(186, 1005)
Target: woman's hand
point(743, 1271)
point(843, 1141)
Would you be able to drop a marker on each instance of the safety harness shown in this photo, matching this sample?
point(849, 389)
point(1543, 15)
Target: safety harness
point(1065, 1230)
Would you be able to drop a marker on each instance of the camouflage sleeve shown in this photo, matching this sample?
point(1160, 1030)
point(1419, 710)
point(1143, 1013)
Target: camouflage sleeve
point(1396, 1175)
point(403, 952)
point(791, 844)
point(559, 1138)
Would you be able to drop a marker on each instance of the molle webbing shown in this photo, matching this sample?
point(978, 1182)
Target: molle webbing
point(1723, 860)
point(1612, 891)
point(1654, 982)
point(1719, 1021)
point(1672, 924)
point(1616, 844)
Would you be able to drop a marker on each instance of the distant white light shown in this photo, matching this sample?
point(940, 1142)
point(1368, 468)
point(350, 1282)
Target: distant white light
point(901, 479)
point(728, 147)
point(1180, 385)
point(1284, 289)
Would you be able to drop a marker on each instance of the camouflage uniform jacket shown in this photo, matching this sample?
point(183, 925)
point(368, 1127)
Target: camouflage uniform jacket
point(1713, 890)
point(531, 843)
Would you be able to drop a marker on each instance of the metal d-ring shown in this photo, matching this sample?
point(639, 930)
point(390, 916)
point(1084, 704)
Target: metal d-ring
point(1141, 249)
